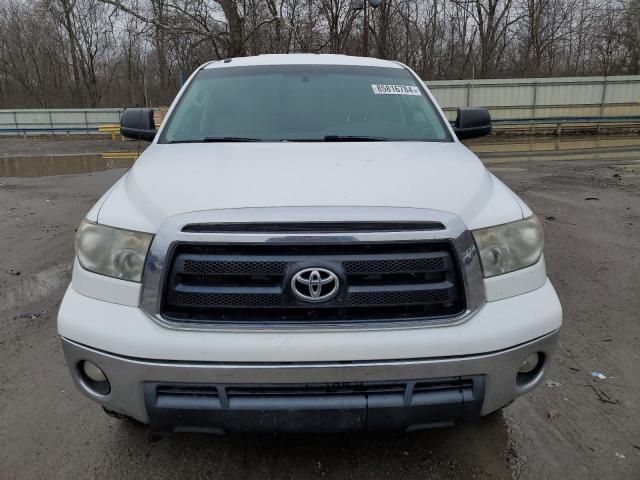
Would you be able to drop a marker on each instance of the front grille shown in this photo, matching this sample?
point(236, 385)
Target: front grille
point(251, 283)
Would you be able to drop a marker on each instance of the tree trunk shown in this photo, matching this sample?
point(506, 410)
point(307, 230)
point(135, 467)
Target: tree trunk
point(73, 41)
point(235, 25)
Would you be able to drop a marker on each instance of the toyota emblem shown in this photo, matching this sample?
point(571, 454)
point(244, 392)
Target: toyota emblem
point(315, 284)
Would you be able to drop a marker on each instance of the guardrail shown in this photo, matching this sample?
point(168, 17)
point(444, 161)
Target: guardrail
point(110, 129)
point(556, 125)
point(57, 121)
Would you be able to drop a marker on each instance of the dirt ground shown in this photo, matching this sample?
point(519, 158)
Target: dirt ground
point(572, 427)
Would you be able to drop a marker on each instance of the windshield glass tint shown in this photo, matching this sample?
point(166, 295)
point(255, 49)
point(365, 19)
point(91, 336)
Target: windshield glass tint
point(304, 103)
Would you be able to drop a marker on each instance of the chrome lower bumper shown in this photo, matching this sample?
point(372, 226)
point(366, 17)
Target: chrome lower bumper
point(129, 377)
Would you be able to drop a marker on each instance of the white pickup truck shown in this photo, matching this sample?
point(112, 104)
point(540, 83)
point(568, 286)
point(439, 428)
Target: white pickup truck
point(307, 246)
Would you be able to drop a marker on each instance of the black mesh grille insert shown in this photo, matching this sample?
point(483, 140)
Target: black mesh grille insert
point(251, 283)
point(395, 266)
point(228, 300)
point(399, 297)
point(237, 267)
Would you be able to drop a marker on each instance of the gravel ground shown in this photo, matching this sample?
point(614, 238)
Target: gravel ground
point(574, 427)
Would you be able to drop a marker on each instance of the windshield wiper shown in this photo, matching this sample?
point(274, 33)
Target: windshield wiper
point(230, 139)
point(338, 138)
point(217, 139)
point(353, 138)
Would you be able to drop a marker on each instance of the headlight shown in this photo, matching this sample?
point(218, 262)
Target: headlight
point(509, 247)
point(112, 251)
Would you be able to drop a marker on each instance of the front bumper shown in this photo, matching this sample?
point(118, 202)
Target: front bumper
point(458, 388)
point(128, 332)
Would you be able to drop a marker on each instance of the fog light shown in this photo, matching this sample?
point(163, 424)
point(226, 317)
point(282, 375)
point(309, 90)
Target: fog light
point(530, 364)
point(94, 378)
point(92, 371)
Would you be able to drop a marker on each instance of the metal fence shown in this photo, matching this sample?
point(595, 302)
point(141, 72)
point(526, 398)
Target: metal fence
point(511, 101)
point(76, 120)
point(521, 99)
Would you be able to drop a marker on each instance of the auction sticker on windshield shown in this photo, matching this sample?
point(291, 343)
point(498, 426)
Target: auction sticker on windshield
point(395, 89)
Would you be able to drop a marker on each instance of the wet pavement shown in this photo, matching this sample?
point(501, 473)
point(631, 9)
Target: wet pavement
point(51, 165)
point(94, 155)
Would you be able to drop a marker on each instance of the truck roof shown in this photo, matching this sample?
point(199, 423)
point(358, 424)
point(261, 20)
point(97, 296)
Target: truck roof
point(302, 59)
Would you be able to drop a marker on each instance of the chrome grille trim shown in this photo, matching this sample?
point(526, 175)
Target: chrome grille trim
point(171, 233)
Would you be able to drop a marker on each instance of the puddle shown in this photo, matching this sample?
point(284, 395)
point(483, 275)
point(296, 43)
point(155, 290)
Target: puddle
point(496, 150)
point(497, 145)
point(51, 165)
point(577, 155)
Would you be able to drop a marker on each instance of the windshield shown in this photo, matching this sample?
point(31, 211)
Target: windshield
point(304, 103)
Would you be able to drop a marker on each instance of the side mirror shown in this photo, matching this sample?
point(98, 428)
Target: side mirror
point(138, 123)
point(472, 122)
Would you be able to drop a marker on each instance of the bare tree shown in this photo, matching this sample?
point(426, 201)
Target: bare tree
point(29, 54)
point(493, 19)
point(116, 52)
point(632, 35)
point(545, 23)
point(608, 52)
point(339, 18)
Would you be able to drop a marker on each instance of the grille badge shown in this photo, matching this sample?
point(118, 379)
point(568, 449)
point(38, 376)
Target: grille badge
point(315, 284)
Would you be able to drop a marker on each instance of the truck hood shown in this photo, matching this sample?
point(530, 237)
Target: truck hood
point(172, 179)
